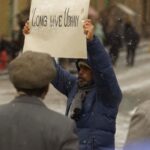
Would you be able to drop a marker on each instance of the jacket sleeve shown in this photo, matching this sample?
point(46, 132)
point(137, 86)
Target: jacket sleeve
point(64, 81)
point(70, 139)
point(139, 121)
point(138, 134)
point(105, 79)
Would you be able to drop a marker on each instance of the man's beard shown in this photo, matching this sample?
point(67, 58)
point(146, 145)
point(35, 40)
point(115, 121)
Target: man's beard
point(82, 83)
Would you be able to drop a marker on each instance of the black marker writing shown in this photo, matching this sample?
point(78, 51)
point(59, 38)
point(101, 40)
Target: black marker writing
point(70, 20)
point(56, 21)
point(39, 20)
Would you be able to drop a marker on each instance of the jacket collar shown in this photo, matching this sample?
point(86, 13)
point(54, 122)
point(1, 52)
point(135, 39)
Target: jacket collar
point(28, 99)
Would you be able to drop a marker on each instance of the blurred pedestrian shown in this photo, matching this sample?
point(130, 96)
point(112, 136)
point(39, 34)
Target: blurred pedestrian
point(3, 60)
point(3, 55)
point(22, 17)
point(26, 123)
point(115, 40)
point(93, 97)
point(1, 47)
point(138, 137)
point(132, 39)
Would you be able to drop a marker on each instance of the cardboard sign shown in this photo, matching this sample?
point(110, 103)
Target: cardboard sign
point(57, 28)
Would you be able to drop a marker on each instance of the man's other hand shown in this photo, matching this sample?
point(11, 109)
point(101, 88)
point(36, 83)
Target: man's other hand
point(88, 29)
point(26, 28)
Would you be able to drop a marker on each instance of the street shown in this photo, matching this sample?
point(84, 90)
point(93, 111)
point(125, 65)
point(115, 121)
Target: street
point(134, 82)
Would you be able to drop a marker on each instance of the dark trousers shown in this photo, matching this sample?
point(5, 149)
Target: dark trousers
point(130, 57)
point(114, 54)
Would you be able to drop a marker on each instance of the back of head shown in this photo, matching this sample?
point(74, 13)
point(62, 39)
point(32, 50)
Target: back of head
point(32, 70)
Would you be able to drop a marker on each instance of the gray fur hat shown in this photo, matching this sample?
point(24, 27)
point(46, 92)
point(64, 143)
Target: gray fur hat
point(82, 62)
point(32, 70)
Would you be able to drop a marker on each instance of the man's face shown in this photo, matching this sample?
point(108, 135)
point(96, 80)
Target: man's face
point(84, 76)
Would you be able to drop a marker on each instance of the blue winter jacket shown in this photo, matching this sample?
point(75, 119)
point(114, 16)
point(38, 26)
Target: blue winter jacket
point(96, 127)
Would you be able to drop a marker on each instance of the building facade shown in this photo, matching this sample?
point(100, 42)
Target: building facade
point(141, 7)
point(8, 12)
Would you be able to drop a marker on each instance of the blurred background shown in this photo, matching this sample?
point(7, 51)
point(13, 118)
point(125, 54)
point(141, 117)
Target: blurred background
point(123, 26)
point(12, 11)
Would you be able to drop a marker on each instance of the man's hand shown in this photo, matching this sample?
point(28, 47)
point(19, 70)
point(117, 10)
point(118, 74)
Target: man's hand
point(26, 28)
point(88, 29)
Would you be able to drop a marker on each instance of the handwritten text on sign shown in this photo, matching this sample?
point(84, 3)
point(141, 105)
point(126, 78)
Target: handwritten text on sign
point(57, 28)
point(65, 20)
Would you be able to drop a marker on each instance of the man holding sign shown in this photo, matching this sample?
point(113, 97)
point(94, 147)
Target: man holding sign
point(93, 97)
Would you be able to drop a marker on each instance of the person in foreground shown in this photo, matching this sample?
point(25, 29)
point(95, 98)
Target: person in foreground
point(138, 137)
point(93, 97)
point(26, 123)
